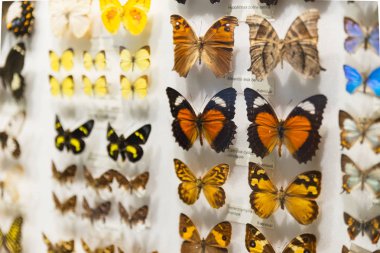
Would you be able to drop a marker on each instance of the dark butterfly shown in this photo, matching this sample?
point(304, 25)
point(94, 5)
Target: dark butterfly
point(10, 73)
point(371, 227)
point(66, 176)
point(59, 247)
point(66, 206)
point(72, 140)
point(136, 218)
point(184, 1)
point(20, 18)
point(99, 212)
point(274, 2)
point(127, 147)
point(8, 137)
point(137, 185)
point(102, 182)
point(215, 123)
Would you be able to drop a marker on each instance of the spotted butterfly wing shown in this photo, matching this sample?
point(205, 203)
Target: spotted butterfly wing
point(20, 18)
point(370, 227)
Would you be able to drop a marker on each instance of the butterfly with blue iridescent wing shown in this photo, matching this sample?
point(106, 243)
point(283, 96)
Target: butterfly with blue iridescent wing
point(355, 79)
point(359, 35)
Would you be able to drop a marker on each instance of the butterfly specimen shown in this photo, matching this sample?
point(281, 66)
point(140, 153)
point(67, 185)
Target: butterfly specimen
point(211, 184)
point(371, 227)
point(99, 88)
point(99, 212)
point(59, 247)
point(65, 176)
point(8, 136)
point(133, 15)
point(355, 79)
point(299, 48)
point(108, 249)
point(139, 88)
point(346, 250)
point(70, 17)
point(67, 205)
point(217, 240)
point(353, 130)
point(102, 182)
point(136, 185)
point(65, 61)
point(354, 177)
point(20, 18)
point(66, 88)
point(12, 240)
point(98, 62)
point(215, 123)
point(274, 2)
point(359, 36)
point(255, 242)
point(127, 147)
point(184, 1)
point(138, 217)
point(298, 132)
point(72, 140)
point(10, 73)
point(141, 59)
point(298, 198)
point(215, 48)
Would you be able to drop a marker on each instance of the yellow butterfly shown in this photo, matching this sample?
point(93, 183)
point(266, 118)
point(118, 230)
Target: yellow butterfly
point(99, 88)
point(66, 60)
point(298, 198)
point(138, 87)
point(108, 249)
point(133, 15)
point(64, 88)
point(210, 183)
point(141, 59)
point(98, 62)
point(12, 240)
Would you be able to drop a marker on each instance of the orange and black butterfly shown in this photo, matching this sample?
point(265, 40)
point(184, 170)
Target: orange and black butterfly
point(136, 185)
point(371, 227)
point(215, 123)
point(59, 247)
point(66, 176)
point(102, 182)
point(215, 48)
point(298, 132)
point(99, 212)
point(67, 205)
point(138, 217)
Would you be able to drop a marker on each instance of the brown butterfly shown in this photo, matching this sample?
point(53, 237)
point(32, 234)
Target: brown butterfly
point(215, 48)
point(59, 247)
point(136, 185)
point(108, 249)
point(102, 182)
point(66, 176)
point(299, 47)
point(97, 213)
point(136, 218)
point(66, 206)
point(371, 227)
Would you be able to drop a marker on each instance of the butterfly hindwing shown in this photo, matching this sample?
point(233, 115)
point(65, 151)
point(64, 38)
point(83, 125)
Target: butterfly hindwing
point(255, 241)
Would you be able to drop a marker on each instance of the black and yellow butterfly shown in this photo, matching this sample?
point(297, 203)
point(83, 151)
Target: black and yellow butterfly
point(108, 249)
point(12, 240)
point(72, 140)
point(127, 147)
point(371, 227)
point(59, 247)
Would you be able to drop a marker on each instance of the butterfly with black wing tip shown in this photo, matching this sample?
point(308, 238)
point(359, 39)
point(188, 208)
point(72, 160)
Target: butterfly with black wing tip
point(10, 73)
point(136, 218)
point(215, 123)
point(127, 147)
point(102, 182)
point(59, 247)
point(298, 132)
point(359, 250)
point(370, 227)
point(255, 242)
point(99, 212)
point(12, 240)
point(8, 137)
point(72, 140)
point(107, 249)
point(65, 206)
point(136, 185)
point(65, 176)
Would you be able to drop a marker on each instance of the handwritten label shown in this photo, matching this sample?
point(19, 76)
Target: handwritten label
point(242, 82)
point(242, 10)
point(246, 215)
point(243, 156)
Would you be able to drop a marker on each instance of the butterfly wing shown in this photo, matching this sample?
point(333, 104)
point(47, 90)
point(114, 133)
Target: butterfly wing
point(55, 61)
point(111, 11)
point(141, 86)
point(373, 81)
point(264, 46)
point(301, 128)
point(373, 179)
point(354, 79)
point(301, 44)
point(80, 18)
point(212, 185)
point(60, 138)
point(68, 86)
point(372, 134)
point(302, 243)
point(186, 51)
point(218, 126)
point(354, 227)
point(189, 233)
point(262, 133)
point(352, 174)
point(356, 35)
point(255, 241)
point(123, 213)
point(138, 184)
point(350, 131)
point(87, 60)
point(372, 229)
point(100, 60)
point(264, 197)
point(126, 59)
point(77, 144)
point(126, 87)
point(142, 58)
point(87, 86)
point(219, 238)
point(67, 59)
point(139, 216)
point(13, 237)
point(218, 46)
point(301, 195)
point(55, 86)
point(373, 39)
point(101, 86)
point(185, 130)
point(113, 146)
point(135, 16)
point(188, 189)
point(132, 145)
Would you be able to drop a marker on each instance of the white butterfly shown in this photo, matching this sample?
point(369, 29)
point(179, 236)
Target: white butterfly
point(70, 15)
point(8, 140)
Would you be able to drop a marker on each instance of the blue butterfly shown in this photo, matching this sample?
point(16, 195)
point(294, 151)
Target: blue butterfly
point(359, 35)
point(356, 79)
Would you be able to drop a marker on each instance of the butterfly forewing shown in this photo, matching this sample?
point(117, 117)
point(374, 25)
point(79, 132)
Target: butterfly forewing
point(354, 227)
point(255, 241)
point(352, 174)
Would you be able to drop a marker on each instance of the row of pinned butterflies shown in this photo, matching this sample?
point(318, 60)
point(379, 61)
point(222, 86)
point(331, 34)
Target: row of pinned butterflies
point(267, 50)
point(137, 89)
point(267, 2)
point(128, 61)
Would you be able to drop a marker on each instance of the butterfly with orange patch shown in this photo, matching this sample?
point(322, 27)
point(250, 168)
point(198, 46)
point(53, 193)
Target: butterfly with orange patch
point(108, 249)
point(211, 184)
point(255, 242)
point(136, 185)
point(298, 198)
point(99, 212)
point(59, 247)
point(138, 217)
point(65, 176)
point(67, 205)
point(215, 123)
point(217, 240)
point(298, 132)
point(371, 227)
point(102, 182)
point(215, 48)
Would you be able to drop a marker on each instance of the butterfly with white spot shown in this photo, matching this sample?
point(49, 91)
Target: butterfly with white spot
point(8, 137)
